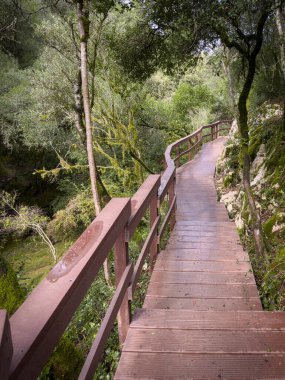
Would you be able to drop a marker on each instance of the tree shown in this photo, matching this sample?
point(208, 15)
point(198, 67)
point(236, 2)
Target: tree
point(194, 26)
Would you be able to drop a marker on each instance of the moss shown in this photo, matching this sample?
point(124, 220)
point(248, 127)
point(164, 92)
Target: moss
point(268, 226)
point(11, 294)
point(255, 142)
point(31, 259)
point(65, 362)
point(228, 180)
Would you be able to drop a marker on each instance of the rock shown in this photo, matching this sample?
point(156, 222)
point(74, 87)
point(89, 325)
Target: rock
point(278, 227)
point(239, 222)
point(260, 177)
point(229, 198)
point(233, 130)
point(259, 159)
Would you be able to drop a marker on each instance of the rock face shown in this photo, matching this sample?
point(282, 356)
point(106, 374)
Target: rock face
point(229, 186)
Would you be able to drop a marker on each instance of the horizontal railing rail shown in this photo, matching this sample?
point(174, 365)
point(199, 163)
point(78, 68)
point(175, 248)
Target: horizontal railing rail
point(29, 338)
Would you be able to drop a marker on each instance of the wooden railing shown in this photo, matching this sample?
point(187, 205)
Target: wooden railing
point(28, 339)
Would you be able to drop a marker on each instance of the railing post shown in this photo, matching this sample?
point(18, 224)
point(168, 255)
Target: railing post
point(197, 147)
point(121, 256)
point(189, 153)
point(6, 348)
point(153, 217)
point(171, 194)
point(177, 150)
point(217, 130)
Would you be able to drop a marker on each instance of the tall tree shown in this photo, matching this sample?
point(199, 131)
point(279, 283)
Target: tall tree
point(82, 8)
point(196, 25)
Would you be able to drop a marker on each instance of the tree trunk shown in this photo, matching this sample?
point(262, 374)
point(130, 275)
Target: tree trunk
point(244, 134)
point(281, 34)
point(83, 26)
point(78, 108)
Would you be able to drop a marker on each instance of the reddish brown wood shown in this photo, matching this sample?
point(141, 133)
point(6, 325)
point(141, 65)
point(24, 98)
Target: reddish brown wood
point(169, 366)
point(189, 150)
point(38, 324)
point(154, 228)
point(152, 236)
point(190, 341)
point(177, 159)
point(6, 348)
point(52, 304)
point(121, 256)
point(166, 180)
point(141, 201)
point(202, 316)
point(172, 204)
point(215, 320)
point(102, 335)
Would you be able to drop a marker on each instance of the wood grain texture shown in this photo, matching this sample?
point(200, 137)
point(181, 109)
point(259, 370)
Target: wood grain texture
point(202, 316)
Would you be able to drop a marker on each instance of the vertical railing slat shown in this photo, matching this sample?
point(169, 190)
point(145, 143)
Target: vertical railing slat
point(121, 255)
point(6, 348)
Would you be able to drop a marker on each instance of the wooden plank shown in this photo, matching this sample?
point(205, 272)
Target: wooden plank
point(204, 266)
point(205, 341)
point(141, 200)
point(97, 349)
point(169, 277)
point(121, 259)
point(141, 259)
point(208, 366)
point(209, 240)
point(205, 304)
point(212, 320)
point(206, 235)
point(38, 324)
point(6, 348)
point(202, 290)
point(201, 254)
point(221, 246)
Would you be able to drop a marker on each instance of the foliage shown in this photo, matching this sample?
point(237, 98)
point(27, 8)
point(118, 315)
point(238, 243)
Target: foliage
point(11, 294)
point(74, 218)
point(65, 362)
point(23, 219)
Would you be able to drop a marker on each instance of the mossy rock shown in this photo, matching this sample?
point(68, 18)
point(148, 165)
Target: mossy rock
point(11, 294)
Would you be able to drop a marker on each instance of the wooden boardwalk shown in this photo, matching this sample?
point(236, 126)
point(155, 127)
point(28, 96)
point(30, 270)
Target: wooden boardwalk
point(202, 317)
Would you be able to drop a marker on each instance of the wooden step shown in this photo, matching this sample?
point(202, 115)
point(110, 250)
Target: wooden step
point(155, 302)
point(170, 277)
point(202, 290)
point(204, 341)
point(217, 320)
point(164, 344)
point(198, 254)
point(203, 266)
point(169, 366)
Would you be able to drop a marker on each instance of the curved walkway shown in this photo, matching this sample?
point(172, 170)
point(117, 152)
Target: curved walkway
point(202, 317)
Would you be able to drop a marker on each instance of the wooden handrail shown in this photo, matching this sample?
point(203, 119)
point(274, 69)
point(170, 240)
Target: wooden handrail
point(41, 320)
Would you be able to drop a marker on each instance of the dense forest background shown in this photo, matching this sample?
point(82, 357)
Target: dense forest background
point(93, 92)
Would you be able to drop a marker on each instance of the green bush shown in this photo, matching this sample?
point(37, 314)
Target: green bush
point(74, 218)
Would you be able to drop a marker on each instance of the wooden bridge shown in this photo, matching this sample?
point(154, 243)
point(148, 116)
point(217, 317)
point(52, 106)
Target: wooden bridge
point(202, 317)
